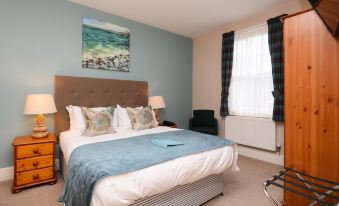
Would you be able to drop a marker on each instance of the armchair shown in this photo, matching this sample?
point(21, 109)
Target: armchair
point(203, 121)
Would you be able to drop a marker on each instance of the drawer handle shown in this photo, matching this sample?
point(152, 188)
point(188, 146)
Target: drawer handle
point(36, 176)
point(36, 151)
point(35, 164)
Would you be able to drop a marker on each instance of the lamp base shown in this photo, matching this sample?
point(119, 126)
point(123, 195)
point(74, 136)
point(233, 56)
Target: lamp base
point(40, 130)
point(39, 135)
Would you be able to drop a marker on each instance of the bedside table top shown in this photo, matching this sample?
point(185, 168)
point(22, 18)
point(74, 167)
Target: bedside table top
point(24, 140)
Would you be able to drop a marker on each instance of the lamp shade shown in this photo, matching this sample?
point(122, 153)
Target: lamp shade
point(39, 104)
point(157, 102)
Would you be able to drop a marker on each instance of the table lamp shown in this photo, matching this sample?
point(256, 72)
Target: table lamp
point(39, 104)
point(157, 103)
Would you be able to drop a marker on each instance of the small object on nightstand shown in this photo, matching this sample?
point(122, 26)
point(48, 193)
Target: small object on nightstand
point(169, 124)
point(39, 104)
point(33, 161)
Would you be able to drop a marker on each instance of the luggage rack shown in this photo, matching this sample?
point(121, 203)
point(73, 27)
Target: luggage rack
point(319, 195)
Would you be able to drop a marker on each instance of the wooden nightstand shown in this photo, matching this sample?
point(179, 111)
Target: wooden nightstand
point(33, 161)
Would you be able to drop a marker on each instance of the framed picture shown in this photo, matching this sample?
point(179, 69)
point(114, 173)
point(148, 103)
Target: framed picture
point(105, 46)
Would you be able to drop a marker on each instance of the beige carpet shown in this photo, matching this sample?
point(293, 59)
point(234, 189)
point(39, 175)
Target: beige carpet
point(241, 189)
point(244, 188)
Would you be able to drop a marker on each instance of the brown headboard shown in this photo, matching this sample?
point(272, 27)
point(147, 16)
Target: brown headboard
point(94, 92)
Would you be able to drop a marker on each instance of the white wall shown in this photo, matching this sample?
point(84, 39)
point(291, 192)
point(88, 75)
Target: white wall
point(207, 70)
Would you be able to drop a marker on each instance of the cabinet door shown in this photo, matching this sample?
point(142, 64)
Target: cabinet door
point(311, 99)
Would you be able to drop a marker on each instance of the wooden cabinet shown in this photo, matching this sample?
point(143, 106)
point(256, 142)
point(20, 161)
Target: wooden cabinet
point(311, 100)
point(328, 11)
point(33, 161)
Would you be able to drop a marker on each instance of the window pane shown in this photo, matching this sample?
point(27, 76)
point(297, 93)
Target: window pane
point(251, 83)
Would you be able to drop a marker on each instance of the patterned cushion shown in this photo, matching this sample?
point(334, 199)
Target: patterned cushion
point(142, 119)
point(98, 122)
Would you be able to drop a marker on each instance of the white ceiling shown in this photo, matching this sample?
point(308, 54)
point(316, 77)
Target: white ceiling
point(186, 17)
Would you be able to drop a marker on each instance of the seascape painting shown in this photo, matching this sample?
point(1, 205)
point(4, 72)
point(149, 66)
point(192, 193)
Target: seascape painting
point(104, 46)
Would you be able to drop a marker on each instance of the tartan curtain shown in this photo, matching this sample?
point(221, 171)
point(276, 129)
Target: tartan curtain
point(275, 41)
point(226, 70)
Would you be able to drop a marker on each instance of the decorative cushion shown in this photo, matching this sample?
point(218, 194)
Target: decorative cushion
point(77, 120)
point(124, 121)
point(98, 122)
point(142, 119)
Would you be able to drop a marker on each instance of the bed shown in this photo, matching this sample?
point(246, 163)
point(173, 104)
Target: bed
point(190, 180)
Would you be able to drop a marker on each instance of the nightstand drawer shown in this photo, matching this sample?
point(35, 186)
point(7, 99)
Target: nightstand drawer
point(33, 176)
point(34, 163)
point(34, 150)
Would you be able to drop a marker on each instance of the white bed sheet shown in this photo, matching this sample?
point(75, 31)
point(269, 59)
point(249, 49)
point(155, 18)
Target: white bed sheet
point(124, 189)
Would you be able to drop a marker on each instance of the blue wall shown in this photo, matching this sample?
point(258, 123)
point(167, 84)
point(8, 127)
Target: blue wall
point(42, 38)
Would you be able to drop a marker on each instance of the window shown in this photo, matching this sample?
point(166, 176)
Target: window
point(250, 92)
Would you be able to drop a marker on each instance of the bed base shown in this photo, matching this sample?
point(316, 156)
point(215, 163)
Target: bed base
point(193, 194)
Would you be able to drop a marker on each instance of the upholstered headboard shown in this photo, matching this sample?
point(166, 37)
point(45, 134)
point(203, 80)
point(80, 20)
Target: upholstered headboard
point(94, 92)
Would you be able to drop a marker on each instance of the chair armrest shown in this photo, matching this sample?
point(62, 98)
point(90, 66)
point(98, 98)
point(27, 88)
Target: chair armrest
point(216, 125)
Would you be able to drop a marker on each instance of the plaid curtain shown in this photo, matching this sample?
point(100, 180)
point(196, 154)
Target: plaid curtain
point(226, 70)
point(275, 41)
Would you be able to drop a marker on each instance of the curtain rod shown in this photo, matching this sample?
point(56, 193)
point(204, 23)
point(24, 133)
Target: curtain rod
point(251, 27)
point(295, 14)
point(265, 23)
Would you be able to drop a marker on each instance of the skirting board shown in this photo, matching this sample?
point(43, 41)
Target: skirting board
point(6, 173)
point(271, 157)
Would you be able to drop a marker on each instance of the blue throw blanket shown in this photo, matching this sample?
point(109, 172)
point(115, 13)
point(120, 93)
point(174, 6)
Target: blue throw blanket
point(89, 163)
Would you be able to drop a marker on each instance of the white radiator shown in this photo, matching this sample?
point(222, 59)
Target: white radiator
point(250, 131)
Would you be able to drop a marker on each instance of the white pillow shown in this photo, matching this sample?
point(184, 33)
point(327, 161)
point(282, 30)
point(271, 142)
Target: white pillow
point(124, 122)
point(71, 119)
point(115, 120)
point(155, 119)
point(77, 120)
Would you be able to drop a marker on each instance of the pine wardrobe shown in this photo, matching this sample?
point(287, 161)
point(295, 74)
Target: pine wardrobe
point(311, 59)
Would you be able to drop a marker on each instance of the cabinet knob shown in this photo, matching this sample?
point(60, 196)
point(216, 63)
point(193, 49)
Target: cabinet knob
point(36, 151)
point(36, 176)
point(35, 163)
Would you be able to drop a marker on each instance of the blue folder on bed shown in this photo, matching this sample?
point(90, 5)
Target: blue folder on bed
point(165, 143)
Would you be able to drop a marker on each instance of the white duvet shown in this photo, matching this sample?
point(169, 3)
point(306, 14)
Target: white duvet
point(124, 189)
